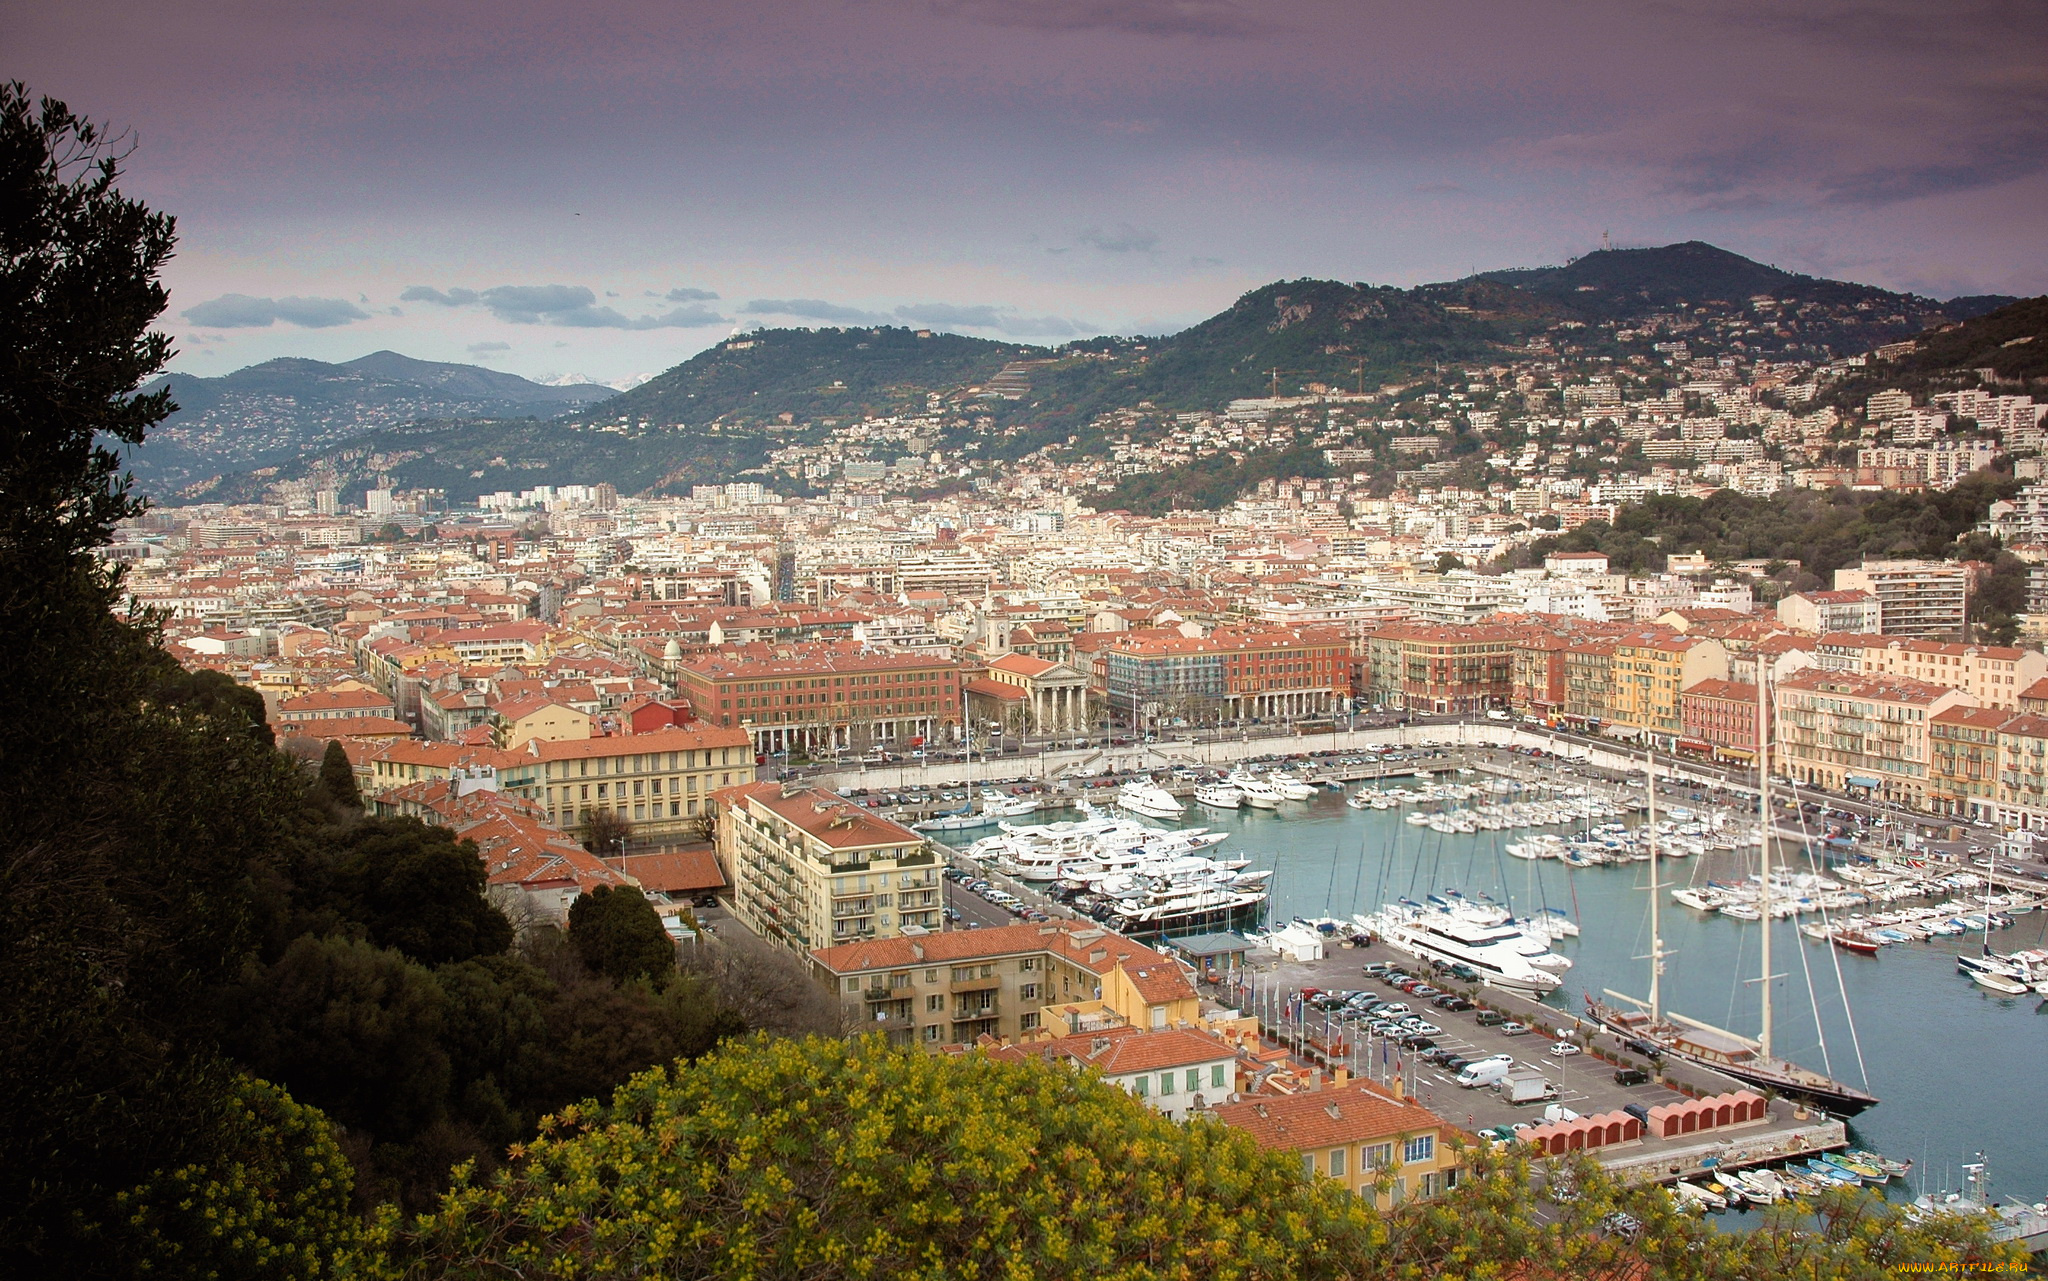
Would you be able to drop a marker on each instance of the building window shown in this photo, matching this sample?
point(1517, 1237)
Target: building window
point(1336, 1163)
point(1028, 964)
point(1308, 1163)
point(1142, 1086)
point(853, 985)
point(1379, 1156)
point(1420, 1148)
point(934, 1004)
point(1165, 1083)
point(1429, 1185)
point(1216, 1076)
point(1194, 1079)
point(1028, 1023)
point(931, 1032)
point(1028, 991)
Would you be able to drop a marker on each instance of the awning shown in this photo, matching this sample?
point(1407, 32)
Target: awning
point(1694, 745)
point(1739, 753)
point(1854, 780)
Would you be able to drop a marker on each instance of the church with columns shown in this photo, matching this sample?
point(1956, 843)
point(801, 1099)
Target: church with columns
point(1036, 695)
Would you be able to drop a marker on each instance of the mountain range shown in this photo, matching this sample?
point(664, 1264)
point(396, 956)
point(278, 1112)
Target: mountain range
point(471, 430)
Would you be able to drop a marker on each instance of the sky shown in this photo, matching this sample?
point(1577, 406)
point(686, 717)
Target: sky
point(607, 187)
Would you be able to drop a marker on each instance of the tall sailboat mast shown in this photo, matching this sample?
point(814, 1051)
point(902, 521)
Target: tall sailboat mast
point(1763, 802)
point(1656, 938)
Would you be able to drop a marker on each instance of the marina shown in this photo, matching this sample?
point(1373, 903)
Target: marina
point(1955, 1063)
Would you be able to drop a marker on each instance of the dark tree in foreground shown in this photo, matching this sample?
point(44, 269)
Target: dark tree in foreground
point(619, 935)
point(338, 777)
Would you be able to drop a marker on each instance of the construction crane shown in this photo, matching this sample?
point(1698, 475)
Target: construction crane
point(1274, 374)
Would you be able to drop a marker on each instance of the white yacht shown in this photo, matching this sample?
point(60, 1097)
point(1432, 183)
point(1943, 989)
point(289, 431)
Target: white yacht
point(1290, 787)
point(1486, 950)
point(1257, 792)
point(1142, 796)
point(1220, 796)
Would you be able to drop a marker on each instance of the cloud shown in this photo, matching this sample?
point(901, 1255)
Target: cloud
point(690, 295)
point(813, 309)
point(1138, 17)
point(479, 348)
point(240, 311)
point(1121, 239)
point(571, 306)
point(1001, 319)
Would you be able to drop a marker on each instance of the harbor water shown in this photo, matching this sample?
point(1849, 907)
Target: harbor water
point(1959, 1070)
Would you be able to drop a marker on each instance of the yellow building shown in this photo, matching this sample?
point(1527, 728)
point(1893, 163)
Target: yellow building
point(1066, 977)
point(810, 868)
point(1355, 1133)
point(1646, 676)
point(517, 722)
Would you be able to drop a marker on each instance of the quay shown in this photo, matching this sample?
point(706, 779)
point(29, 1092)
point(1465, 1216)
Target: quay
point(1585, 1081)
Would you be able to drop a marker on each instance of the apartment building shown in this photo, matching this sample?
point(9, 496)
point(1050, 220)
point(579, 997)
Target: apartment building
point(1994, 675)
point(809, 868)
point(1260, 673)
point(826, 697)
point(1964, 774)
point(1356, 1134)
point(1647, 676)
point(1428, 668)
point(1915, 597)
point(660, 781)
point(1844, 611)
point(1537, 679)
point(1719, 716)
point(1861, 733)
point(1069, 977)
point(1587, 673)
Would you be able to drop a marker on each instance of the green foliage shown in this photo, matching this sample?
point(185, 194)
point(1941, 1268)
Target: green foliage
point(218, 695)
point(1211, 483)
point(829, 1159)
point(78, 292)
point(619, 935)
point(338, 777)
point(833, 1159)
point(269, 1199)
point(416, 888)
point(812, 373)
point(1824, 531)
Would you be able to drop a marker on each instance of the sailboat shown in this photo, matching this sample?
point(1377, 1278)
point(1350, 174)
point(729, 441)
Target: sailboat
point(1731, 1054)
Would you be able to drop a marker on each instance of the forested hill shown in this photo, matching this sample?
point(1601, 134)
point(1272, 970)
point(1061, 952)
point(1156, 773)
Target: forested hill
point(287, 408)
point(816, 373)
point(1621, 283)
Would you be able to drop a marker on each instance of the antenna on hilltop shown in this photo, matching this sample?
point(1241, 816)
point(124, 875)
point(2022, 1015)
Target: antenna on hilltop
point(1605, 243)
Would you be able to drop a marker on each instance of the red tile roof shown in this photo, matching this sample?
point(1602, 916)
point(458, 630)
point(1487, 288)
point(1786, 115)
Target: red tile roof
point(1355, 1113)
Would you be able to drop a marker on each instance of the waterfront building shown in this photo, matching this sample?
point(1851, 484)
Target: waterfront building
point(810, 868)
point(1647, 676)
point(1356, 1133)
point(1965, 768)
point(1054, 695)
point(1426, 668)
point(1860, 733)
point(1995, 675)
point(1719, 716)
point(1069, 977)
point(826, 697)
point(1260, 673)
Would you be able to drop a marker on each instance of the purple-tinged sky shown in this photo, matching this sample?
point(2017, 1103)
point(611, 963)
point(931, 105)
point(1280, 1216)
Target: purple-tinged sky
point(606, 187)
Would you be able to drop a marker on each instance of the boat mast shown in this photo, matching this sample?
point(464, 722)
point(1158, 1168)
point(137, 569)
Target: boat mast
point(1656, 940)
point(1763, 801)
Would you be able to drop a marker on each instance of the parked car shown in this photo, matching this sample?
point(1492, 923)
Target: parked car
point(1416, 1041)
point(1631, 1076)
point(1489, 1018)
point(1512, 1028)
point(1453, 1002)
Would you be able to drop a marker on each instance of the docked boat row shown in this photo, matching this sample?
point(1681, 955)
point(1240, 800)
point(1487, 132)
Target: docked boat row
point(1807, 1177)
point(994, 808)
point(1480, 937)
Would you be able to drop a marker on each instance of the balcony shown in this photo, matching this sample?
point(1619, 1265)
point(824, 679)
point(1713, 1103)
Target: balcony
point(973, 1013)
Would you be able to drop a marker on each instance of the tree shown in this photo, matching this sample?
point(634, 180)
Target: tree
point(618, 934)
point(417, 889)
point(828, 1158)
point(1448, 561)
point(605, 832)
point(78, 291)
point(271, 1199)
point(338, 777)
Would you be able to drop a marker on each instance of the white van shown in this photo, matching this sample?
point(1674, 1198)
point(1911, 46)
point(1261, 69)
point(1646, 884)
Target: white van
point(1485, 1071)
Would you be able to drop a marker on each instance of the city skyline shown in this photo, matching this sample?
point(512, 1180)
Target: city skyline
point(553, 191)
